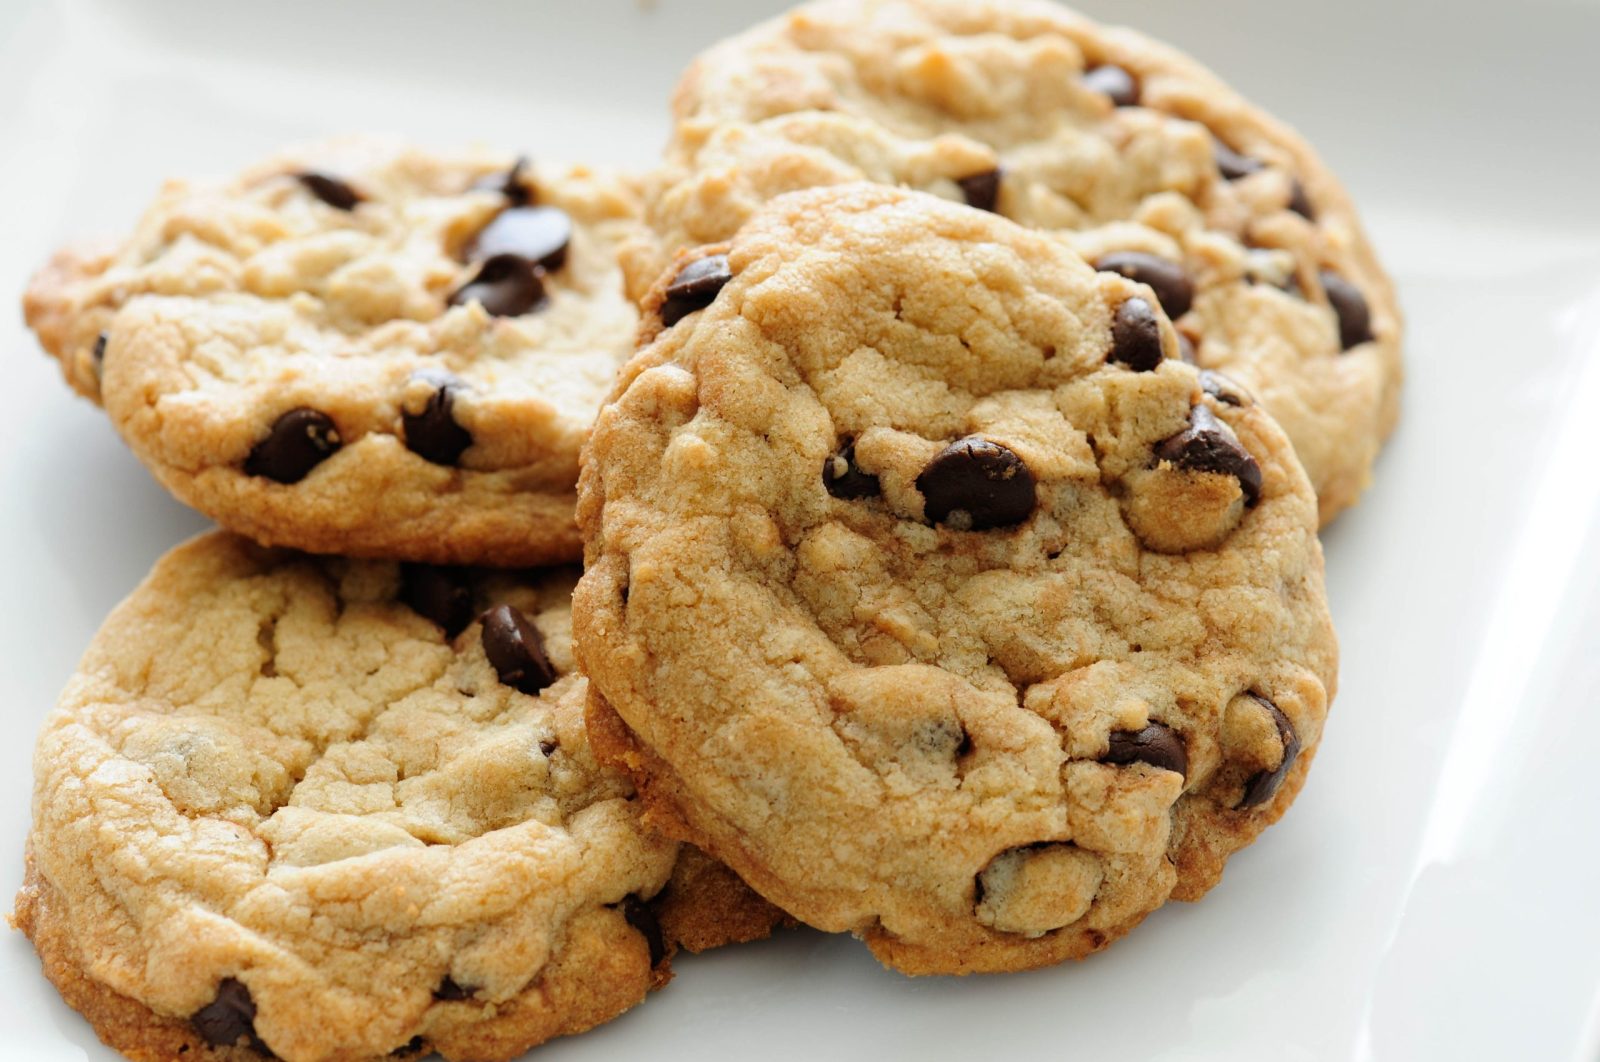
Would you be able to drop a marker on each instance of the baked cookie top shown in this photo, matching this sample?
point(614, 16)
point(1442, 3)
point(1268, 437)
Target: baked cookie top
point(1144, 161)
point(938, 597)
point(361, 347)
point(331, 809)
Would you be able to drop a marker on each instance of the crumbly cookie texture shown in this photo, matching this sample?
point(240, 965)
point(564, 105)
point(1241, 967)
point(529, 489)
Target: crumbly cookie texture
point(327, 809)
point(361, 347)
point(929, 590)
point(1117, 143)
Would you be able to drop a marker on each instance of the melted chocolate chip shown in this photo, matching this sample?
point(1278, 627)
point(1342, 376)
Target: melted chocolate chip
point(100, 341)
point(1299, 201)
point(228, 1018)
point(540, 234)
point(694, 288)
point(987, 482)
point(1206, 445)
point(1173, 288)
point(844, 479)
point(982, 190)
point(516, 650)
point(331, 190)
point(450, 992)
point(641, 917)
point(1233, 165)
point(1114, 81)
point(507, 285)
point(1136, 335)
point(1355, 319)
point(508, 184)
point(443, 595)
point(299, 441)
point(1262, 785)
point(1223, 389)
point(547, 747)
point(1157, 744)
point(433, 434)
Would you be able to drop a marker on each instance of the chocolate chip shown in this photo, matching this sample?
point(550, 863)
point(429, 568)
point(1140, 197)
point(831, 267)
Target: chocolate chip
point(1299, 201)
point(516, 650)
point(1157, 744)
point(330, 190)
point(982, 190)
point(983, 480)
point(1355, 319)
point(433, 434)
point(1223, 389)
point(508, 184)
point(641, 917)
point(1233, 165)
point(844, 479)
point(1206, 445)
point(100, 342)
point(538, 233)
point(443, 595)
point(411, 1048)
point(1186, 351)
point(450, 992)
point(1114, 81)
point(1262, 785)
point(299, 441)
point(547, 747)
point(1136, 335)
point(694, 288)
point(507, 285)
point(1172, 285)
point(229, 1017)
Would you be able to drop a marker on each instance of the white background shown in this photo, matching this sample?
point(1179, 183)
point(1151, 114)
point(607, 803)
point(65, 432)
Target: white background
point(1433, 894)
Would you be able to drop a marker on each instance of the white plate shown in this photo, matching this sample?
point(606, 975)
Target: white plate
point(1433, 893)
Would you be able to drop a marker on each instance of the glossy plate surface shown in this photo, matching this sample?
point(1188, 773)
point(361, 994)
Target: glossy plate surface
point(1433, 893)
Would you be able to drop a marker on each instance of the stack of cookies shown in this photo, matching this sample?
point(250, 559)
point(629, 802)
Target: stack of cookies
point(944, 428)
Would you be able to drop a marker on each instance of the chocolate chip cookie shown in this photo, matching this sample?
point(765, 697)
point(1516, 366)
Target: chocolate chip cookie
point(1143, 161)
point(361, 347)
point(322, 808)
point(930, 590)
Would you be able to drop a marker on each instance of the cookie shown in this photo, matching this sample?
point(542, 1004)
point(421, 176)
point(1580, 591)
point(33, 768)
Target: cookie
point(361, 347)
point(930, 591)
point(1142, 160)
point(335, 809)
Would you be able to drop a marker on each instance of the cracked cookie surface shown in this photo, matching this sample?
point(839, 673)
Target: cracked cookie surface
point(360, 347)
point(919, 593)
point(1116, 143)
point(331, 810)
